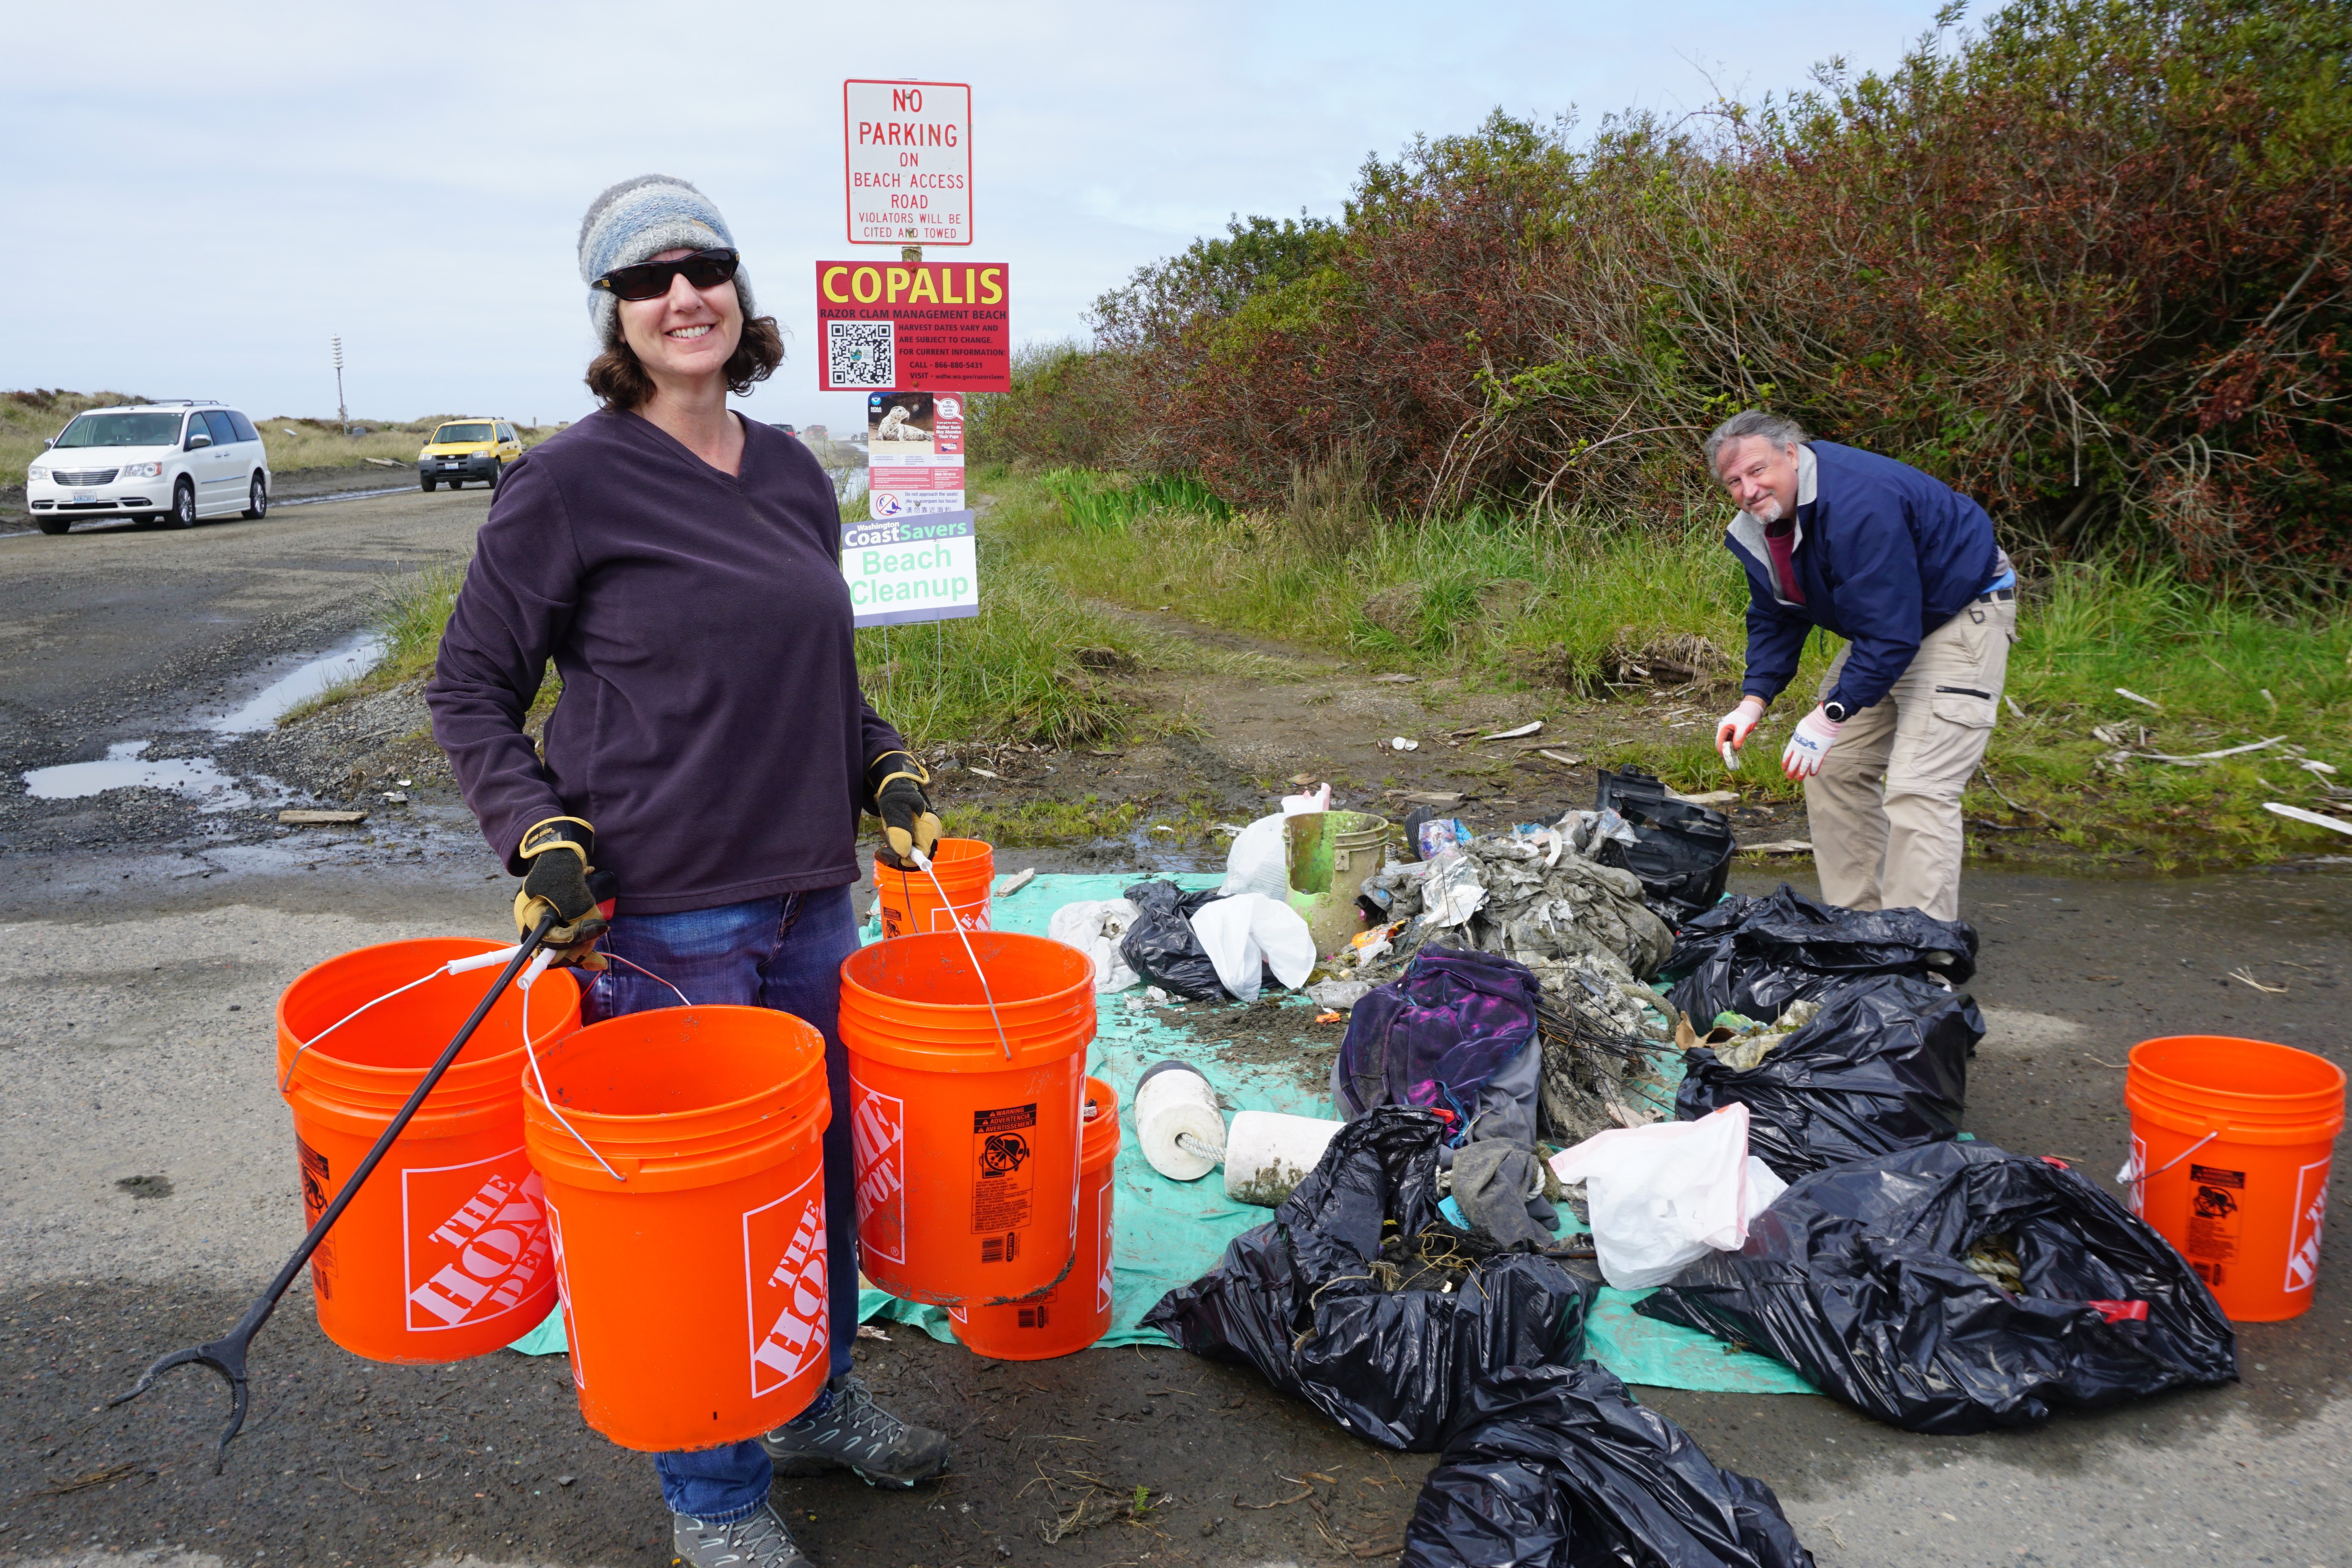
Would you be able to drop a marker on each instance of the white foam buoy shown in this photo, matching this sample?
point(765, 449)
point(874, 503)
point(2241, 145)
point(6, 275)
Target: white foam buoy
point(1177, 1121)
point(1267, 1154)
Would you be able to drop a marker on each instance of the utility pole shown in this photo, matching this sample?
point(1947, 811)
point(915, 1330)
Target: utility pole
point(910, 253)
point(342, 414)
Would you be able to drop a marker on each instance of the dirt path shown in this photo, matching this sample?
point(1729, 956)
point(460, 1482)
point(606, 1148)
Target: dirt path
point(1250, 718)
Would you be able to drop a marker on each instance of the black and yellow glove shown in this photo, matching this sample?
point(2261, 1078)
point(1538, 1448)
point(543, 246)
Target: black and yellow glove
point(558, 850)
point(896, 781)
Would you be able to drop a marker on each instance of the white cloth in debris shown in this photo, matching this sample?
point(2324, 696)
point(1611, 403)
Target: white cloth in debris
point(1249, 933)
point(1094, 926)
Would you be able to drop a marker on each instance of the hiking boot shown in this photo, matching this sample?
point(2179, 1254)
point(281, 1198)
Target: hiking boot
point(853, 1430)
point(756, 1541)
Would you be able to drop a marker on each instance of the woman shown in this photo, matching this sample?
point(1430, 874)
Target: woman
point(711, 751)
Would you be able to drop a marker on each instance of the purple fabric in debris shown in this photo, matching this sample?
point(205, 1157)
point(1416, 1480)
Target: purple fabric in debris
point(1434, 1037)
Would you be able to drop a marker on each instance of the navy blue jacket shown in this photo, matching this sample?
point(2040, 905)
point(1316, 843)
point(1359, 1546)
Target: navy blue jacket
point(1884, 555)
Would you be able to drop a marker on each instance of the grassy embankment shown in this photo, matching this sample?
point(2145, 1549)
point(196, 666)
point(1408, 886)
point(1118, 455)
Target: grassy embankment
point(30, 418)
point(1504, 601)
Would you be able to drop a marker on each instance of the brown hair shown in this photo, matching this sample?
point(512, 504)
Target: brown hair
point(619, 378)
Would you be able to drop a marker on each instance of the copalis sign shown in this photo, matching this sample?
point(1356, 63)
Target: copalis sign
point(907, 148)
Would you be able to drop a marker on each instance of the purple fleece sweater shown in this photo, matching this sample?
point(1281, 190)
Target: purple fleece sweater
point(711, 726)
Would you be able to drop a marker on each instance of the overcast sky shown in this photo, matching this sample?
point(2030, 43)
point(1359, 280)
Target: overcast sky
point(201, 194)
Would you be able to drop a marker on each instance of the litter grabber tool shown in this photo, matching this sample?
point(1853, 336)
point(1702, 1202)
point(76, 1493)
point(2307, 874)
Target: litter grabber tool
point(226, 1355)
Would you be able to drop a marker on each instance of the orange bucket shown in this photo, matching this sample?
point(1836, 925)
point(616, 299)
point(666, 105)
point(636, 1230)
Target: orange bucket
point(966, 869)
point(693, 1274)
point(1076, 1312)
point(445, 1253)
point(967, 1163)
point(2230, 1144)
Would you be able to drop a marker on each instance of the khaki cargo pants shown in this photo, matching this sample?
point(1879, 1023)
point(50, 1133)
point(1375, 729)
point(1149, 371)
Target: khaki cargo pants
point(1884, 810)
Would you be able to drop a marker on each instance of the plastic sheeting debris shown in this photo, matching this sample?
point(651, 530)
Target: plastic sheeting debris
point(1858, 1277)
point(1556, 1467)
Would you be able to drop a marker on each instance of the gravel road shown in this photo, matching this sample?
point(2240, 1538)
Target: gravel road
point(147, 946)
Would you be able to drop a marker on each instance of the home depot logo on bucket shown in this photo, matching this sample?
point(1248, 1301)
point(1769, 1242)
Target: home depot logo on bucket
point(877, 1139)
point(2310, 1220)
point(784, 1281)
point(476, 1239)
point(1102, 1208)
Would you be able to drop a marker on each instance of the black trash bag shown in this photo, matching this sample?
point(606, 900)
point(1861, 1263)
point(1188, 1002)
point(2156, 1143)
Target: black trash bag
point(1857, 1277)
point(1295, 1298)
point(1162, 945)
point(1883, 1066)
point(1556, 1467)
point(1755, 956)
point(1685, 851)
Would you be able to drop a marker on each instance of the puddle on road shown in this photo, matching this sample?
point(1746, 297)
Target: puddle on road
point(200, 779)
point(124, 767)
point(277, 699)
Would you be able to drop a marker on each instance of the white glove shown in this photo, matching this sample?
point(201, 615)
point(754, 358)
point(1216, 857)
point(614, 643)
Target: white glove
point(1816, 733)
point(1731, 731)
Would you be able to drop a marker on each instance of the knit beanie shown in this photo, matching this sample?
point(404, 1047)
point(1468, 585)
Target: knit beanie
point(637, 220)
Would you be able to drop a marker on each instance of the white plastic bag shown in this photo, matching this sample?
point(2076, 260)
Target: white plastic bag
point(1660, 1195)
point(1250, 932)
point(1258, 860)
point(1093, 927)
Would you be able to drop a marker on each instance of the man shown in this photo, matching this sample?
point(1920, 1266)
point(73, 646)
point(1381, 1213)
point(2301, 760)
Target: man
point(1907, 570)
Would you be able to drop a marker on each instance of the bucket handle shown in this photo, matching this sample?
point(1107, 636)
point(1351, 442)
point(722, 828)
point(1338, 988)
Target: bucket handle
point(925, 862)
point(454, 966)
point(2132, 1176)
point(523, 984)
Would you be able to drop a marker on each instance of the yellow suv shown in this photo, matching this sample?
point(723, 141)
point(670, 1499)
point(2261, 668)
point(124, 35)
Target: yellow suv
point(462, 449)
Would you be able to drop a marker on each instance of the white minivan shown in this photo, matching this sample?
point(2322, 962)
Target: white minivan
point(177, 460)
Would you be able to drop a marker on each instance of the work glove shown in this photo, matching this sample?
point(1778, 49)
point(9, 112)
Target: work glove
point(558, 880)
point(1731, 731)
point(1816, 733)
point(896, 780)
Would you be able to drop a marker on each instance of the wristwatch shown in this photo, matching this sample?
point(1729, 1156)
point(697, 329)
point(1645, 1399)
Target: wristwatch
point(1835, 711)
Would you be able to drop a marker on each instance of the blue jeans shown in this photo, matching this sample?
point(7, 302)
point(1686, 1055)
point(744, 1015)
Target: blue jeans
point(784, 953)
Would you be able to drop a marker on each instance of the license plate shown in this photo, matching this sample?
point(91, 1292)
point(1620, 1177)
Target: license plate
point(452, 465)
point(81, 496)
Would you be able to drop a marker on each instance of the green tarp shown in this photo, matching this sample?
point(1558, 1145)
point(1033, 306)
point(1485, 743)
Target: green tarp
point(1169, 1232)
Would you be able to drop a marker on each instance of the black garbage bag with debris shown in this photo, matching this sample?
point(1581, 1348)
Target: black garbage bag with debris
point(1883, 1066)
point(1957, 1286)
point(1755, 956)
point(1359, 1298)
point(1681, 852)
point(1556, 1467)
point(1162, 945)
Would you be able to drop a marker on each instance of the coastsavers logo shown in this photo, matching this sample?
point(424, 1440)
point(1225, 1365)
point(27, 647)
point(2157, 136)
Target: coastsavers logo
point(877, 1139)
point(784, 1280)
point(477, 1243)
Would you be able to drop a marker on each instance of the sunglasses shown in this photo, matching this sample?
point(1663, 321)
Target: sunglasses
point(651, 279)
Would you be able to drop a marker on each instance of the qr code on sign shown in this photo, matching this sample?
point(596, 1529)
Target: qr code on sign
point(862, 353)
